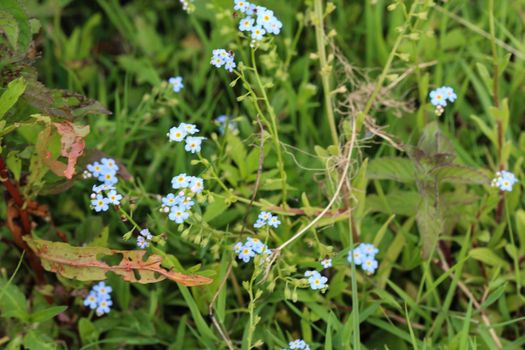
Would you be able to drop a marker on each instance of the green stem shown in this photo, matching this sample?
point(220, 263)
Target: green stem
point(129, 218)
point(275, 133)
point(214, 173)
point(325, 69)
point(389, 61)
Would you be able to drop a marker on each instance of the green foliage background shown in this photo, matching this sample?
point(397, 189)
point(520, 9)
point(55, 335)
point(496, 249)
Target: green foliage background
point(448, 278)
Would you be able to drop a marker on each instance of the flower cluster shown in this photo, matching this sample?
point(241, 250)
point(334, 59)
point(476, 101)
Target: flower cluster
point(440, 96)
point(104, 194)
point(143, 239)
point(225, 122)
point(258, 21)
point(364, 255)
point(298, 344)
point(326, 263)
point(252, 246)
point(221, 57)
point(176, 83)
point(316, 280)
point(178, 206)
point(266, 218)
point(179, 133)
point(504, 180)
point(99, 299)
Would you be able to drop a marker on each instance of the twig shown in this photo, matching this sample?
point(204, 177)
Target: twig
point(278, 250)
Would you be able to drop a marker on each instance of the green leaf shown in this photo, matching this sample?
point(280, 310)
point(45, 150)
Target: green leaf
point(13, 303)
point(19, 35)
point(391, 168)
point(9, 26)
point(215, 209)
point(488, 256)
point(460, 174)
point(35, 340)
point(8, 99)
point(87, 331)
point(430, 225)
point(488, 131)
point(395, 202)
point(237, 151)
point(46, 314)
point(14, 164)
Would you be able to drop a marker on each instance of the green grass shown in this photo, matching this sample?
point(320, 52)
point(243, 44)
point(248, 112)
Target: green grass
point(459, 287)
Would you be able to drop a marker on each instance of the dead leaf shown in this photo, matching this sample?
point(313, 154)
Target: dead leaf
point(85, 264)
point(72, 144)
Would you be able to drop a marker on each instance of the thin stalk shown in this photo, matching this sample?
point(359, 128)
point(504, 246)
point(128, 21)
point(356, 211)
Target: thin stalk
point(274, 133)
point(325, 69)
point(389, 61)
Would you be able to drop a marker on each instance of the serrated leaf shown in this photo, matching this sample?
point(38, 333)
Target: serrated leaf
point(9, 26)
point(8, 99)
point(391, 168)
point(460, 174)
point(430, 225)
point(395, 202)
point(85, 264)
point(23, 35)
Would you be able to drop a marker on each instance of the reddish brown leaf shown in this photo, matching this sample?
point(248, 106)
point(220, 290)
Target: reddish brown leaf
point(85, 264)
point(72, 144)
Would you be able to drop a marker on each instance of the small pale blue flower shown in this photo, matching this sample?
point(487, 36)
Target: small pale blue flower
point(259, 223)
point(504, 180)
point(171, 200)
point(241, 5)
point(91, 300)
point(100, 203)
point(246, 254)
point(368, 249)
point(180, 181)
point(95, 169)
point(274, 222)
point(317, 281)
point(146, 234)
point(108, 178)
point(438, 98)
point(449, 93)
point(176, 83)
point(110, 164)
point(356, 256)
point(177, 134)
point(102, 290)
point(196, 184)
point(246, 24)
point(326, 263)
point(255, 244)
point(258, 33)
point(142, 243)
point(369, 265)
point(193, 144)
point(104, 307)
point(114, 198)
point(178, 214)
